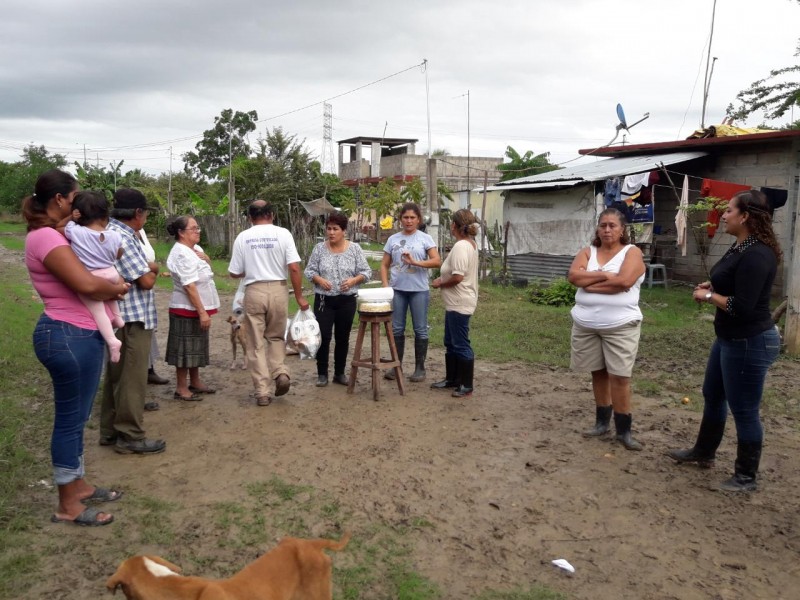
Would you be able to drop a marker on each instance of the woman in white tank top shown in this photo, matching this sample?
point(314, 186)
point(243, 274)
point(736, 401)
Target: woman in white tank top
point(607, 321)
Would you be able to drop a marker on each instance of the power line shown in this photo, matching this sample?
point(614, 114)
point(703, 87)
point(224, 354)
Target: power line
point(361, 87)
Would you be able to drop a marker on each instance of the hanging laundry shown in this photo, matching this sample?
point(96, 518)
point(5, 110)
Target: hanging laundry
point(711, 188)
point(680, 217)
point(775, 197)
point(612, 191)
point(633, 183)
point(646, 195)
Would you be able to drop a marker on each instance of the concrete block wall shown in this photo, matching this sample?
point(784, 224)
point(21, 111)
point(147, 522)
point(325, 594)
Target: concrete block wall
point(770, 165)
point(354, 170)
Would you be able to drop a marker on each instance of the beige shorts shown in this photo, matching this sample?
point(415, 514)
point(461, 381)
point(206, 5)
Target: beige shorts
point(611, 349)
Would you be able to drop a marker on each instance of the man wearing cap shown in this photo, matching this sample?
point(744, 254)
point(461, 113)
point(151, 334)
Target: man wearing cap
point(125, 390)
point(262, 255)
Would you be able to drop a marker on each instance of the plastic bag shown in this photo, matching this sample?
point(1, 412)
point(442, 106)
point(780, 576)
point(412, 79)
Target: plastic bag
point(290, 347)
point(304, 333)
point(238, 300)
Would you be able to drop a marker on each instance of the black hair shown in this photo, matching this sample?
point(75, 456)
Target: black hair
point(339, 219)
point(93, 206)
point(177, 224)
point(48, 185)
point(411, 206)
point(260, 209)
point(759, 221)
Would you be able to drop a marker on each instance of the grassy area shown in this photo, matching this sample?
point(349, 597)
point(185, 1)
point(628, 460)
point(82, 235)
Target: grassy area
point(25, 419)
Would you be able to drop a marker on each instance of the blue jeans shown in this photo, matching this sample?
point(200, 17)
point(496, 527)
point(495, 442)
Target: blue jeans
point(74, 358)
point(735, 378)
point(418, 303)
point(456, 335)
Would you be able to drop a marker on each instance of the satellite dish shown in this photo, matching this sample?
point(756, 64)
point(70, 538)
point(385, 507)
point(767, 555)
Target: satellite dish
point(623, 123)
point(621, 116)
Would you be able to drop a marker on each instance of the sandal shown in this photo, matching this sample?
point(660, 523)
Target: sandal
point(191, 398)
point(263, 400)
point(87, 518)
point(202, 390)
point(103, 495)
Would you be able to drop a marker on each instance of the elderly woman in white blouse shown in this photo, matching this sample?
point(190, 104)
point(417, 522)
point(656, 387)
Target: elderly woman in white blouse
point(194, 300)
point(336, 267)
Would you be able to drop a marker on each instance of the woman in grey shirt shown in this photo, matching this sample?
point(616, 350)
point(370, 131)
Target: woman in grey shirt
point(336, 267)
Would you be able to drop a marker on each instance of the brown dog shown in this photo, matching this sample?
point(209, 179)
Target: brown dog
point(295, 569)
point(237, 337)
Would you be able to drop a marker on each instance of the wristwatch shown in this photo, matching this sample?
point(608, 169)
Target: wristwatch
point(708, 296)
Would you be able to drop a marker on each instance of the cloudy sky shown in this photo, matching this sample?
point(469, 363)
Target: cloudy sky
point(129, 80)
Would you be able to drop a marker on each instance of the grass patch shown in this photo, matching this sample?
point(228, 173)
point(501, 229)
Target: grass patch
point(376, 564)
point(24, 426)
point(153, 517)
point(647, 387)
point(9, 227)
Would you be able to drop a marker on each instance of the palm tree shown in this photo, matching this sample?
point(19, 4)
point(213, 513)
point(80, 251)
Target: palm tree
point(525, 165)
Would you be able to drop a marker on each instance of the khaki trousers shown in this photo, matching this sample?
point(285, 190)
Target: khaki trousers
point(266, 308)
point(125, 389)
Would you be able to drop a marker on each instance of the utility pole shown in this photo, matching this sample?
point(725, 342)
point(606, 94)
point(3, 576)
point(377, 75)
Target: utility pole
point(707, 78)
point(469, 185)
point(114, 167)
point(328, 165)
point(792, 328)
point(483, 223)
point(427, 104)
point(85, 161)
point(232, 212)
point(170, 207)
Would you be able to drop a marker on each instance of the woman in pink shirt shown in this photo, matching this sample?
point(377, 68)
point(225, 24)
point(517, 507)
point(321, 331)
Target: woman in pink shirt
point(66, 341)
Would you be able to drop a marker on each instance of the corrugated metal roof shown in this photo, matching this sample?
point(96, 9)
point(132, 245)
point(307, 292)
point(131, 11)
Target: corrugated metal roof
point(597, 171)
point(513, 185)
point(695, 143)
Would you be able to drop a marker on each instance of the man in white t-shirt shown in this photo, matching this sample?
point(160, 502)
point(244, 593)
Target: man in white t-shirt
point(262, 255)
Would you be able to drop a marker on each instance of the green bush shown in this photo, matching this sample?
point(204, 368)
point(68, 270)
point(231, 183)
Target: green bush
point(558, 292)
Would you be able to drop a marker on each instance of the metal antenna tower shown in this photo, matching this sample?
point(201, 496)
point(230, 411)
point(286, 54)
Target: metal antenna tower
point(328, 165)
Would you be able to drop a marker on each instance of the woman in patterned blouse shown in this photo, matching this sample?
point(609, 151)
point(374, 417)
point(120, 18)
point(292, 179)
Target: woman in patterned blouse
point(336, 267)
point(747, 339)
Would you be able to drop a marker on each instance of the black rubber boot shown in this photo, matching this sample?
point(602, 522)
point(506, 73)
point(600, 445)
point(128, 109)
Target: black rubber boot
point(602, 423)
point(623, 425)
point(705, 448)
point(748, 456)
point(464, 370)
point(420, 354)
point(449, 380)
point(400, 343)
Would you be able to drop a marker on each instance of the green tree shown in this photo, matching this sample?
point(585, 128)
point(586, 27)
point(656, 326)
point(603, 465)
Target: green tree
point(525, 164)
point(95, 177)
point(774, 95)
point(228, 137)
point(413, 191)
point(18, 179)
point(335, 191)
point(282, 172)
point(385, 200)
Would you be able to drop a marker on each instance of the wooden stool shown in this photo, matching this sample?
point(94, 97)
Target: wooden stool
point(375, 364)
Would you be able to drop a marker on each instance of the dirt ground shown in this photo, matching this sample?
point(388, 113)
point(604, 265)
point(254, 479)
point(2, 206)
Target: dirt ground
point(504, 480)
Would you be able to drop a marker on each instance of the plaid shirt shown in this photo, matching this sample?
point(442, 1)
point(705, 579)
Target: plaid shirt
point(138, 304)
